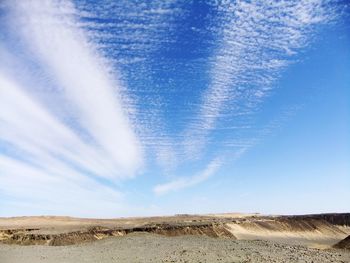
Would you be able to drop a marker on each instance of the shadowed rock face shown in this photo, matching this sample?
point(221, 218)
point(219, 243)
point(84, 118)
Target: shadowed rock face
point(344, 244)
point(25, 237)
point(211, 230)
point(342, 219)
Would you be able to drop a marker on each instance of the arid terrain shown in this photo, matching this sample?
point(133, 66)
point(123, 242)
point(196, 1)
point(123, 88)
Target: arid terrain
point(180, 238)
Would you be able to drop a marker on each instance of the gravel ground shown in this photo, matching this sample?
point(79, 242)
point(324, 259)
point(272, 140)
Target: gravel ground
point(155, 248)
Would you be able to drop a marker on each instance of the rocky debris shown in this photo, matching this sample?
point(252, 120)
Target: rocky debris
point(145, 247)
point(343, 244)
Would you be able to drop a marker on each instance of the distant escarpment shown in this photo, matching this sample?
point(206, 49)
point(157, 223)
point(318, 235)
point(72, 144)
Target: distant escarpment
point(341, 219)
point(31, 237)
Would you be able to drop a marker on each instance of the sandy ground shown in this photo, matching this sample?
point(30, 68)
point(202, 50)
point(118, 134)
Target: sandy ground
point(155, 248)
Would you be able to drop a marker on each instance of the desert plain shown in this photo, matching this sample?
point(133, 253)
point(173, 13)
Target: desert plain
point(180, 238)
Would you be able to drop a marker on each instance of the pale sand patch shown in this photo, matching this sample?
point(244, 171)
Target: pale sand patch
point(345, 229)
point(323, 236)
point(235, 215)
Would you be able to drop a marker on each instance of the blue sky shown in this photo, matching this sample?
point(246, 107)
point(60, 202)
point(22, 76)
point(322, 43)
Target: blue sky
point(124, 108)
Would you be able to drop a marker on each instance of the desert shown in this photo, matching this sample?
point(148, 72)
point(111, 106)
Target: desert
point(179, 238)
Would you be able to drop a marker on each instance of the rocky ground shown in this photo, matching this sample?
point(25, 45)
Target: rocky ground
point(175, 239)
point(156, 248)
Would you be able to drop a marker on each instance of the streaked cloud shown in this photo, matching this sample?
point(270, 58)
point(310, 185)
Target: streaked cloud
point(53, 37)
point(188, 181)
point(50, 189)
point(42, 151)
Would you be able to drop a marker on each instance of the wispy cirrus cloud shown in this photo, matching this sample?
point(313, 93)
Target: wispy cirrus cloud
point(48, 29)
point(188, 181)
point(35, 135)
point(49, 189)
point(43, 152)
point(257, 41)
point(43, 162)
point(130, 34)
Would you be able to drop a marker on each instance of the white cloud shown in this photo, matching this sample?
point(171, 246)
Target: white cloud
point(257, 41)
point(49, 157)
point(52, 34)
point(185, 182)
point(45, 160)
point(52, 192)
point(31, 129)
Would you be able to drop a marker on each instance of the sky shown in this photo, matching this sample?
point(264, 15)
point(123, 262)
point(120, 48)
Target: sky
point(140, 108)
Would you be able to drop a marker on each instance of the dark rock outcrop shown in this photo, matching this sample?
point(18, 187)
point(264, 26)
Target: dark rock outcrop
point(344, 244)
point(342, 219)
point(23, 237)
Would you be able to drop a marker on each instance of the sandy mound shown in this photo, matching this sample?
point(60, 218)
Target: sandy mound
point(344, 244)
point(293, 230)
